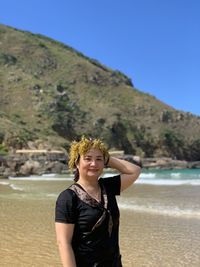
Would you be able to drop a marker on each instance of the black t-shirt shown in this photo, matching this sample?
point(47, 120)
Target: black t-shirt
point(96, 246)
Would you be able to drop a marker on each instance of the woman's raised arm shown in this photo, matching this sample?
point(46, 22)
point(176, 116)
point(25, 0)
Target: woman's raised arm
point(129, 171)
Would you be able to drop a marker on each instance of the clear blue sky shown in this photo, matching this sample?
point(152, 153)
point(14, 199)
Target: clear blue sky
point(154, 42)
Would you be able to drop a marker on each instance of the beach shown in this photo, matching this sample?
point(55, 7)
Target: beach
point(159, 241)
point(159, 226)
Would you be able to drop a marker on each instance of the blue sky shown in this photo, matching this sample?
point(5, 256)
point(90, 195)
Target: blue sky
point(156, 43)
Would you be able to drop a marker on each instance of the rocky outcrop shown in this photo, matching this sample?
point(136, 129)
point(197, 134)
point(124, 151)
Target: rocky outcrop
point(165, 163)
point(24, 165)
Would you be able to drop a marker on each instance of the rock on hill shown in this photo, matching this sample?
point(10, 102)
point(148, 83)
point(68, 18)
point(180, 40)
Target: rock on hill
point(52, 94)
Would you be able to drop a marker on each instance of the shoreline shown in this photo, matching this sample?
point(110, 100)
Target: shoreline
point(21, 165)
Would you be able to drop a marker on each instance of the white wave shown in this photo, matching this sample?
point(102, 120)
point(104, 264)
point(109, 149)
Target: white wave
point(49, 174)
point(168, 182)
point(15, 187)
point(108, 174)
point(148, 175)
point(4, 183)
point(175, 174)
point(40, 178)
point(169, 211)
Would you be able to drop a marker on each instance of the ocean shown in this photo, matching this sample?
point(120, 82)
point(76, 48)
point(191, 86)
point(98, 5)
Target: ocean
point(159, 225)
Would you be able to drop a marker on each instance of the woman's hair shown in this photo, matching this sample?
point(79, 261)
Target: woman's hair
point(79, 148)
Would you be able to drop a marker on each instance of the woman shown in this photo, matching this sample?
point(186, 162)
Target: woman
point(87, 215)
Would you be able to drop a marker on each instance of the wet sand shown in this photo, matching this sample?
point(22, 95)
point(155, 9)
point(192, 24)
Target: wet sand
point(159, 241)
point(28, 236)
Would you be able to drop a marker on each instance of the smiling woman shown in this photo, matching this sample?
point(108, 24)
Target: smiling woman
point(87, 214)
point(83, 148)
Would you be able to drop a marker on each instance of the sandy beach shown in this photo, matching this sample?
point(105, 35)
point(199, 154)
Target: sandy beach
point(146, 238)
point(159, 241)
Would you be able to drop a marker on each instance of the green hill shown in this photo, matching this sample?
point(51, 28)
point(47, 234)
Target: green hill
point(53, 93)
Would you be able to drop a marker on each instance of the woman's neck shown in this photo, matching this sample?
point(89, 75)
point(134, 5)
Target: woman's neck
point(88, 184)
point(91, 187)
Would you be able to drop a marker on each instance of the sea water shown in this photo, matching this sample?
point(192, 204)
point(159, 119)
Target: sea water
point(160, 219)
point(171, 192)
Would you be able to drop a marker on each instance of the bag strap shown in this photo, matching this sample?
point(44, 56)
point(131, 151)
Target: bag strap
point(85, 197)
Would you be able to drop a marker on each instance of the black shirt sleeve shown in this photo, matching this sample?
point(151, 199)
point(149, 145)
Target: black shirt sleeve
point(112, 184)
point(65, 210)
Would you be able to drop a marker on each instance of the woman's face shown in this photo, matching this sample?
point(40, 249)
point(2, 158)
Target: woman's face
point(91, 164)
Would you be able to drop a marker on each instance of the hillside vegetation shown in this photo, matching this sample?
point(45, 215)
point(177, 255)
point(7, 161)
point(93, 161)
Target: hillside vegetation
point(52, 94)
